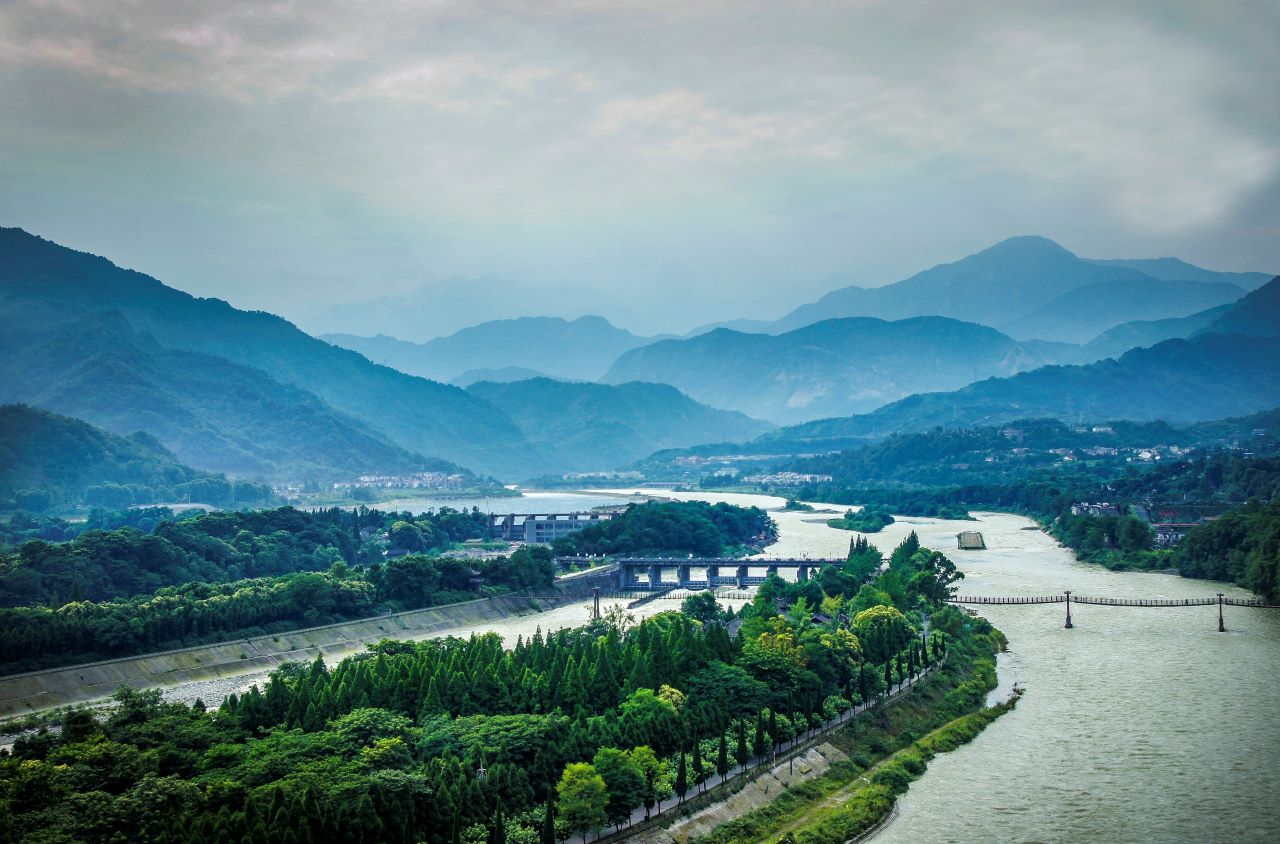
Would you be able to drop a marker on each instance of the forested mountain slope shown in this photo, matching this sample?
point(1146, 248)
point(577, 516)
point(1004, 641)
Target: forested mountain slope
point(44, 283)
point(211, 413)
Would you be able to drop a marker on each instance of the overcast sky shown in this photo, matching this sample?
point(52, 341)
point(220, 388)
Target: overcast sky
point(664, 164)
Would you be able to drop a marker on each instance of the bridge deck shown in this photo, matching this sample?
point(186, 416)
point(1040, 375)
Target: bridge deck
point(1111, 602)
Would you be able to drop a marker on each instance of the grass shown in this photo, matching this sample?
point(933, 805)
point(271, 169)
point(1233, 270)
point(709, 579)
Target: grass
point(886, 749)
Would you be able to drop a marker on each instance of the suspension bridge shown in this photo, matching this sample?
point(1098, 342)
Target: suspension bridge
point(1066, 597)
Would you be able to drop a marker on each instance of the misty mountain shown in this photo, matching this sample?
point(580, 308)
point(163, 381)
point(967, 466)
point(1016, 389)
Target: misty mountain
point(835, 367)
point(579, 349)
point(1020, 279)
point(44, 283)
point(1175, 269)
point(1114, 342)
point(57, 458)
point(211, 413)
point(1211, 376)
point(589, 427)
point(502, 375)
point(1084, 313)
point(435, 310)
point(1257, 314)
point(996, 286)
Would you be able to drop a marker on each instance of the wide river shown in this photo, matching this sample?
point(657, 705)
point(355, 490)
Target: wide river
point(1137, 725)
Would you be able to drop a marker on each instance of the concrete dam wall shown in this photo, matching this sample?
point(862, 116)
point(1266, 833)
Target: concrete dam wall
point(21, 694)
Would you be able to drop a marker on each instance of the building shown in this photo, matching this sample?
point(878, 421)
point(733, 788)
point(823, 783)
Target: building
point(970, 540)
point(1169, 534)
point(542, 528)
point(1102, 508)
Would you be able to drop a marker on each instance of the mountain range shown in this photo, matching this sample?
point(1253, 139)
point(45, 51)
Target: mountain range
point(593, 426)
point(1229, 368)
point(580, 349)
point(1018, 277)
point(834, 367)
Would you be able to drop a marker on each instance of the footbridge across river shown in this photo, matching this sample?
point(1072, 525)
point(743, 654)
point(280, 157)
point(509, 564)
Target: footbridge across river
point(655, 573)
point(1068, 598)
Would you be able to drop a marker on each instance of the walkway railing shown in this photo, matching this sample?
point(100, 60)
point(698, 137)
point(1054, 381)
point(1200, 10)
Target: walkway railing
point(716, 788)
point(1066, 597)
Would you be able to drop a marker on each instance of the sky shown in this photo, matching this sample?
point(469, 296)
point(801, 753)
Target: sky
point(664, 164)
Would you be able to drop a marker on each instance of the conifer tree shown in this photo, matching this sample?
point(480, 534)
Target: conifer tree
point(682, 778)
point(722, 757)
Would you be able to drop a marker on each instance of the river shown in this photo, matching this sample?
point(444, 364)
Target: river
point(1138, 724)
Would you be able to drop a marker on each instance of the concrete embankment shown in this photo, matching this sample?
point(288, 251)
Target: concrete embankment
point(21, 694)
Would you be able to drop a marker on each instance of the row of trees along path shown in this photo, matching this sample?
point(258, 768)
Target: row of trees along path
point(718, 786)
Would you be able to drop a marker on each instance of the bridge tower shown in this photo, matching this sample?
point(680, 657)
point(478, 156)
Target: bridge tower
point(1068, 625)
point(1221, 627)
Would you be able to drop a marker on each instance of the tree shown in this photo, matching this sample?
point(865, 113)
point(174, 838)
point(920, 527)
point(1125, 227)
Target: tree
point(682, 778)
point(625, 781)
point(701, 606)
point(882, 632)
point(583, 797)
point(722, 757)
point(741, 753)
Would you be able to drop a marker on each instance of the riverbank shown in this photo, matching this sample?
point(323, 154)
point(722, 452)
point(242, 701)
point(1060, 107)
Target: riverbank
point(882, 752)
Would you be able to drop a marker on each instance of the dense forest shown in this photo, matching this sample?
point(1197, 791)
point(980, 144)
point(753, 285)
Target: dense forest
point(454, 740)
point(675, 528)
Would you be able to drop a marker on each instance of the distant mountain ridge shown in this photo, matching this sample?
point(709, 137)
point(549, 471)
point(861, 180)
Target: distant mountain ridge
point(1014, 279)
point(1212, 375)
point(579, 349)
point(834, 367)
point(589, 427)
point(1080, 315)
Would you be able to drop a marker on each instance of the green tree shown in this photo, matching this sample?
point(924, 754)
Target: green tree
point(625, 781)
point(583, 797)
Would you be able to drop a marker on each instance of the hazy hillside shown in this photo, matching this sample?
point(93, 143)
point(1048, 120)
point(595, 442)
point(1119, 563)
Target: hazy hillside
point(43, 282)
point(579, 349)
point(502, 375)
point(835, 367)
point(49, 461)
point(585, 427)
point(1175, 269)
point(1212, 376)
point(1114, 342)
point(1257, 314)
point(995, 286)
point(211, 413)
point(1082, 314)
point(1018, 277)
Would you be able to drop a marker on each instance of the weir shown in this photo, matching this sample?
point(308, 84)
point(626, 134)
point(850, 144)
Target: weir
point(646, 573)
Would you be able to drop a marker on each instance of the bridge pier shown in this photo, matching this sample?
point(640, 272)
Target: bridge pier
point(713, 575)
point(655, 576)
point(682, 575)
point(1068, 625)
point(742, 577)
point(802, 574)
point(1221, 627)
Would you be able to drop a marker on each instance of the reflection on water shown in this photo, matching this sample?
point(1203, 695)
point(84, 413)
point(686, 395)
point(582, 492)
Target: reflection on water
point(1141, 724)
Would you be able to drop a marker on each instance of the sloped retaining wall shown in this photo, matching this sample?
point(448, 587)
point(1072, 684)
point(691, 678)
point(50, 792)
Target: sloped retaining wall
point(21, 694)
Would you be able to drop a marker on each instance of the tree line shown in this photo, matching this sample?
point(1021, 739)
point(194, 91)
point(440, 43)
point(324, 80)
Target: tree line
point(675, 528)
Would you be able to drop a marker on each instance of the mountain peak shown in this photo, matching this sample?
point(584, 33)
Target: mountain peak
point(1026, 246)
